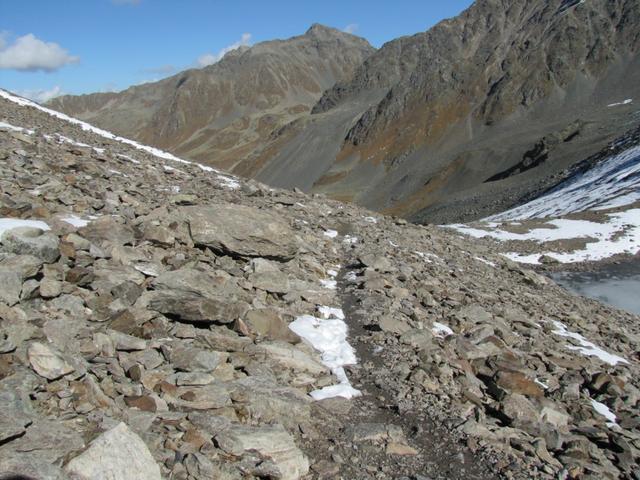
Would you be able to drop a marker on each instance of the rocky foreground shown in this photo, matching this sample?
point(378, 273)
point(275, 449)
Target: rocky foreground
point(145, 333)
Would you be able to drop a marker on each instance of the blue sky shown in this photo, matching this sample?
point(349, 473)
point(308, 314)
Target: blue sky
point(82, 46)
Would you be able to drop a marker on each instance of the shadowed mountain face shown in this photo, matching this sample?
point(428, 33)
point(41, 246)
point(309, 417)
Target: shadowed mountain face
point(509, 91)
point(471, 117)
point(220, 113)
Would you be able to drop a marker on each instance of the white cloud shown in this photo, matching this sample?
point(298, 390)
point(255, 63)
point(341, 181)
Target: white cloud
point(29, 53)
point(41, 96)
point(211, 58)
point(351, 28)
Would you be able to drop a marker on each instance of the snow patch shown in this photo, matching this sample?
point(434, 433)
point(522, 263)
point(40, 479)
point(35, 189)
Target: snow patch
point(329, 312)
point(542, 384)
point(229, 182)
point(168, 168)
point(441, 330)
point(351, 277)
point(370, 219)
point(619, 235)
point(331, 233)
point(329, 337)
point(427, 257)
point(127, 157)
point(78, 221)
point(350, 240)
point(586, 347)
point(484, 260)
point(624, 102)
point(329, 283)
point(603, 410)
point(8, 126)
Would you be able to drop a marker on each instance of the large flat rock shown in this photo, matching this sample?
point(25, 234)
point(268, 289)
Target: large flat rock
point(242, 231)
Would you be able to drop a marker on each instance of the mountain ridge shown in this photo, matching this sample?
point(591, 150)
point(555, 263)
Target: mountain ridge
point(220, 112)
point(456, 89)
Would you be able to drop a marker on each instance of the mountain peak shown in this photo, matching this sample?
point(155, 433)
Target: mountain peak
point(319, 30)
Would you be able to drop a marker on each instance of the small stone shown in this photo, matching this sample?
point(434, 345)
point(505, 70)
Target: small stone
point(268, 323)
point(80, 276)
point(125, 342)
point(396, 448)
point(46, 362)
point(50, 287)
point(392, 324)
point(141, 402)
point(11, 282)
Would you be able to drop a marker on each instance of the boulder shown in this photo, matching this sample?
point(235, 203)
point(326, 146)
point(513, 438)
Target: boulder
point(196, 282)
point(109, 229)
point(50, 287)
point(201, 398)
point(266, 401)
point(194, 308)
point(274, 282)
point(193, 359)
point(272, 442)
point(289, 356)
point(117, 454)
point(242, 231)
point(32, 241)
point(27, 265)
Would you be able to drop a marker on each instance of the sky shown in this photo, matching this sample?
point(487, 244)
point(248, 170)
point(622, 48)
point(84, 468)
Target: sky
point(49, 47)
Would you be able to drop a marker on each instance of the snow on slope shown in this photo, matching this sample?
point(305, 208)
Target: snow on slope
point(228, 180)
point(612, 183)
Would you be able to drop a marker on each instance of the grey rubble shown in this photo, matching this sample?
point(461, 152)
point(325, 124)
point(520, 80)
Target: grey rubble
point(132, 336)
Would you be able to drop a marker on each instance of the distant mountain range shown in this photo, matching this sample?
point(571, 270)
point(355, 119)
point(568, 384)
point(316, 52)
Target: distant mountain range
point(220, 114)
point(471, 117)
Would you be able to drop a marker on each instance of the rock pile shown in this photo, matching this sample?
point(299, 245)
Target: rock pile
point(144, 333)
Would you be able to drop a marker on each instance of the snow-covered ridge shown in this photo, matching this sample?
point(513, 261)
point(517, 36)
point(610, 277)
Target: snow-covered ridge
point(228, 180)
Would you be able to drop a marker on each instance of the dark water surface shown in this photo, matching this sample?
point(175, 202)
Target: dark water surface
point(616, 284)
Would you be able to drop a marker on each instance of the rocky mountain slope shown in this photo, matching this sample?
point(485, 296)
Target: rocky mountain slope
point(463, 120)
point(455, 123)
point(162, 319)
point(221, 113)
